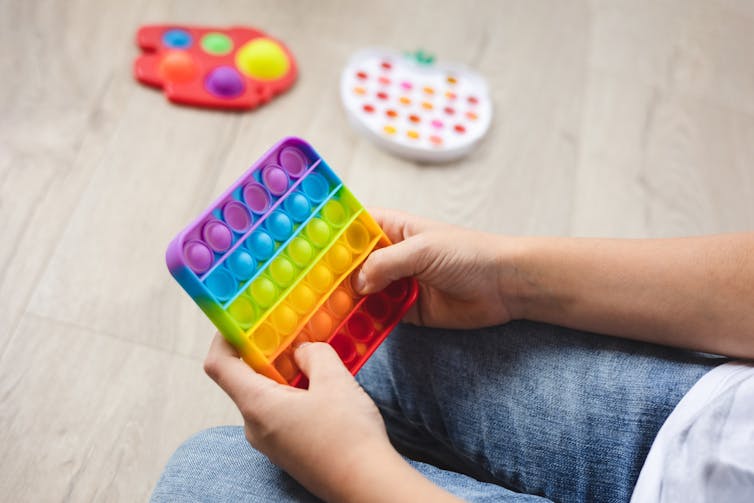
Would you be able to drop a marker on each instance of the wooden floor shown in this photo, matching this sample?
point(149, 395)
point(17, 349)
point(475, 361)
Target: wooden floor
point(613, 118)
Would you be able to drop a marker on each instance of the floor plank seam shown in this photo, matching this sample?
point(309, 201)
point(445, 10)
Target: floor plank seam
point(108, 335)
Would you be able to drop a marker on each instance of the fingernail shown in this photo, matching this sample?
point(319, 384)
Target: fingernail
point(360, 282)
point(302, 345)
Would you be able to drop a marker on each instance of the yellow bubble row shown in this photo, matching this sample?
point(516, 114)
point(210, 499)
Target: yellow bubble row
point(280, 326)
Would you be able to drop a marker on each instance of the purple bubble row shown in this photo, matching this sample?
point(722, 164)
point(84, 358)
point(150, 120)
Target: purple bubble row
point(216, 236)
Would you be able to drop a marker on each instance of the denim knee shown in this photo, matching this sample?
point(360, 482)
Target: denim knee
point(218, 464)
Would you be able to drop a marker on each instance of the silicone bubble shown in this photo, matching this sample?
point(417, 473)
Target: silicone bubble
point(198, 256)
point(397, 290)
point(302, 298)
point(284, 319)
point(357, 237)
point(177, 66)
point(376, 306)
point(275, 179)
point(265, 338)
point(261, 245)
point(293, 161)
point(279, 225)
point(225, 82)
point(242, 310)
point(334, 213)
point(217, 43)
point(344, 347)
point(300, 251)
point(318, 232)
point(297, 206)
point(360, 326)
point(217, 235)
point(339, 258)
point(222, 284)
point(177, 38)
point(263, 292)
point(262, 59)
point(315, 187)
point(242, 264)
point(340, 302)
point(282, 271)
point(320, 326)
point(320, 278)
point(256, 197)
point(237, 216)
point(286, 366)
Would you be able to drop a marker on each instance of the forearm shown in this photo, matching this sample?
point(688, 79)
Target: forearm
point(696, 293)
point(383, 476)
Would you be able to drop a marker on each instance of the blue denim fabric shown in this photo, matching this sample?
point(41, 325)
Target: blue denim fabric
point(519, 412)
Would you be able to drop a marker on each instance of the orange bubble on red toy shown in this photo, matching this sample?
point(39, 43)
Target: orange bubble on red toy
point(177, 66)
point(236, 68)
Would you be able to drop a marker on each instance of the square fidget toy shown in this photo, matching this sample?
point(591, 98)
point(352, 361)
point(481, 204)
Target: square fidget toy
point(235, 68)
point(270, 263)
point(414, 107)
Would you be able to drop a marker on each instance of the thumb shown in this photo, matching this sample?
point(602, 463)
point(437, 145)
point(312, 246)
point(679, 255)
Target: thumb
point(320, 363)
point(388, 264)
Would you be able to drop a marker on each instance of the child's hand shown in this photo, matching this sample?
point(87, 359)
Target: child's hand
point(331, 437)
point(464, 279)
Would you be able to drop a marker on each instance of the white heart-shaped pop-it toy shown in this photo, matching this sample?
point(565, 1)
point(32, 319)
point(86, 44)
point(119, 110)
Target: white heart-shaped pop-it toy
point(413, 107)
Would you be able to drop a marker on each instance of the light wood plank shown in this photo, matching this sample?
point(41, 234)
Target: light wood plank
point(91, 418)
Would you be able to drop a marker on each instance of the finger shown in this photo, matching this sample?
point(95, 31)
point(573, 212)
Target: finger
point(232, 374)
point(383, 266)
point(321, 364)
point(399, 225)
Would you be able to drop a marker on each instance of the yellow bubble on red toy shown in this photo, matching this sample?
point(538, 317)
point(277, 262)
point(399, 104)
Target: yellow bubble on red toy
point(262, 59)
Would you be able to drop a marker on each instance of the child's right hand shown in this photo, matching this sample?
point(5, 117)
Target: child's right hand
point(465, 281)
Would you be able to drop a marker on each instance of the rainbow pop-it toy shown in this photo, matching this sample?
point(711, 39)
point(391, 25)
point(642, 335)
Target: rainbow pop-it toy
point(270, 263)
point(414, 107)
point(235, 68)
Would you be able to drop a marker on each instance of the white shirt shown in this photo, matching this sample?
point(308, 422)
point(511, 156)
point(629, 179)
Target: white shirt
point(705, 450)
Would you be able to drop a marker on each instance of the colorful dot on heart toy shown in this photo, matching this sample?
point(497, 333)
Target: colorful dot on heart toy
point(262, 59)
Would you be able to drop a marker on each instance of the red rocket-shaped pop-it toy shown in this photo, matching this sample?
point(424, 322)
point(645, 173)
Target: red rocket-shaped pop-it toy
point(237, 68)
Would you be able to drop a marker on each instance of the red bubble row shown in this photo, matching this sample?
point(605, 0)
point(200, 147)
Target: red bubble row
point(357, 333)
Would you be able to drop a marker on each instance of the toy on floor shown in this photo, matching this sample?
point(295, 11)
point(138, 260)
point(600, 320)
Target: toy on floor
point(236, 68)
point(413, 107)
point(270, 263)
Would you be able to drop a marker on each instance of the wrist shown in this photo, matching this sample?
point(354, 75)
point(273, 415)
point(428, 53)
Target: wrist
point(516, 274)
point(382, 475)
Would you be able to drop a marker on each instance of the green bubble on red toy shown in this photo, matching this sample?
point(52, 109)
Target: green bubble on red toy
point(217, 43)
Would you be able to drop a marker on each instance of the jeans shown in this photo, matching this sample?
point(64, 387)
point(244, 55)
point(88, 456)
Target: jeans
point(519, 412)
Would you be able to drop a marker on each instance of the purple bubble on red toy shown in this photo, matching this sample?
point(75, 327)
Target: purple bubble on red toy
point(237, 216)
point(293, 161)
point(275, 179)
point(217, 235)
point(225, 82)
point(198, 256)
point(256, 197)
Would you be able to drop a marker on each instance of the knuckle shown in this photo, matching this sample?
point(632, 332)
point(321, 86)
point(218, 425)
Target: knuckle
point(212, 367)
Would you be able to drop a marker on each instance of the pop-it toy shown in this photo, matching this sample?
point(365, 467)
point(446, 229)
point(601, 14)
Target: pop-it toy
point(413, 107)
point(234, 68)
point(270, 263)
